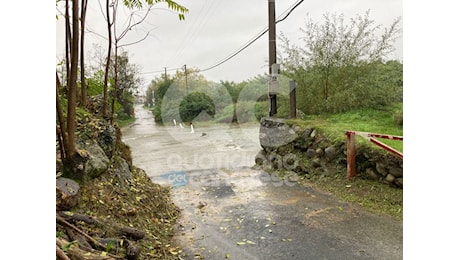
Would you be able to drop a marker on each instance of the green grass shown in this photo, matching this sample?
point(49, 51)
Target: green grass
point(375, 196)
point(381, 121)
point(125, 122)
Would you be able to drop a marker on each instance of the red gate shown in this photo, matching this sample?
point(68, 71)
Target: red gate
point(351, 147)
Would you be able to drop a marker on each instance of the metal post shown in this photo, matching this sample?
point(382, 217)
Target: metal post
point(292, 99)
point(351, 155)
point(271, 50)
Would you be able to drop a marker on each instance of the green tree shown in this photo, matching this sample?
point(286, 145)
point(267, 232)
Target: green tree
point(116, 38)
point(183, 82)
point(334, 66)
point(196, 106)
point(149, 99)
point(234, 90)
point(128, 82)
point(131, 23)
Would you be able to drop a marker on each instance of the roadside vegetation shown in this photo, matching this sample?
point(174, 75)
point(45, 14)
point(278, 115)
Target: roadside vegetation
point(377, 197)
point(99, 215)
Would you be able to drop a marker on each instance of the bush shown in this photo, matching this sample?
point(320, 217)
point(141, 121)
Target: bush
point(194, 105)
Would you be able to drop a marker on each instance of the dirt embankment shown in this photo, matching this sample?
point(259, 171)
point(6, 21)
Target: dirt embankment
point(110, 209)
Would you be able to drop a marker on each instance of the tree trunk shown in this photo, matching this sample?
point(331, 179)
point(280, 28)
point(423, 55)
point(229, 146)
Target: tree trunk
point(72, 92)
point(62, 133)
point(68, 39)
point(107, 66)
point(115, 87)
point(84, 92)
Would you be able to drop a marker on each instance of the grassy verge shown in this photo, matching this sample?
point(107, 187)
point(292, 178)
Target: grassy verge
point(382, 121)
point(375, 196)
point(125, 122)
point(378, 198)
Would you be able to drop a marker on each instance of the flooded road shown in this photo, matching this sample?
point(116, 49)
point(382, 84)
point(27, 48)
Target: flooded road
point(232, 211)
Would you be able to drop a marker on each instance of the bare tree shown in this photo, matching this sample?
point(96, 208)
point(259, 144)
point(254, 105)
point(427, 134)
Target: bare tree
point(72, 85)
point(135, 19)
point(109, 51)
point(84, 92)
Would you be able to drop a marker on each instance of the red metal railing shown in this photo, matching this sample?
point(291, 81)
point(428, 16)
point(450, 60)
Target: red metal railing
point(351, 147)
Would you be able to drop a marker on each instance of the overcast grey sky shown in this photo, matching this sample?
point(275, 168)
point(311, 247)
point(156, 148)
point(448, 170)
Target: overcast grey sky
point(215, 29)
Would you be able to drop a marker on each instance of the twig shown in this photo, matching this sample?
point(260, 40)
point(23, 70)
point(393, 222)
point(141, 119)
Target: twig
point(60, 254)
point(92, 240)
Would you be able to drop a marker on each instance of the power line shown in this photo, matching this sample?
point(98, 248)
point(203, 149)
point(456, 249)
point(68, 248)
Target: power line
point(291, 9)
point(255, 39)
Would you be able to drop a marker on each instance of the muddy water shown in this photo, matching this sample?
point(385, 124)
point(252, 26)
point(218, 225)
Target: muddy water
point(231, 210)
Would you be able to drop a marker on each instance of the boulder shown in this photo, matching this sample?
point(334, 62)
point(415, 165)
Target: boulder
point(372, 174)
point(96, 160)
point(396, 171)
point(274, 132)
point(319, 152)
point(107, 140)
point(261, 158)
point(399, 182)
point(122, 170)
point(330, 153)
point(67, 191)
point(380, 167)
point(390, 178)
point(310, 153)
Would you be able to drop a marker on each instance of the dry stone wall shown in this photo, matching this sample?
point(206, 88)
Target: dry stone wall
point(304, 150)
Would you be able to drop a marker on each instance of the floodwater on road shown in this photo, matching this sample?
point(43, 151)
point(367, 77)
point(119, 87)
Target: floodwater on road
point(231, 210)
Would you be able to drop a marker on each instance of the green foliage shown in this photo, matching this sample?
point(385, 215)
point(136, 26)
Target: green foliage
point(138, 4)
point(157, 112)
point(227, 115)
point(160, 88)
point(95, 86)
point(261, 109)
point(149, 97)
point(364, 120)
point(340, 67)
point(194, 107)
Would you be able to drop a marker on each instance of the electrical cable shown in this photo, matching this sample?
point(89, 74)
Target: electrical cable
point(294, 6)
point(252, 41)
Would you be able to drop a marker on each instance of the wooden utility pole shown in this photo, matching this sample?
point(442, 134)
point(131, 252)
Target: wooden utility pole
point(292, 99)
point(186, 85)
point(271, 52)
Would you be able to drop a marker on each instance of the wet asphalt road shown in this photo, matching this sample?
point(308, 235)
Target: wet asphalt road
point(232, 211)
